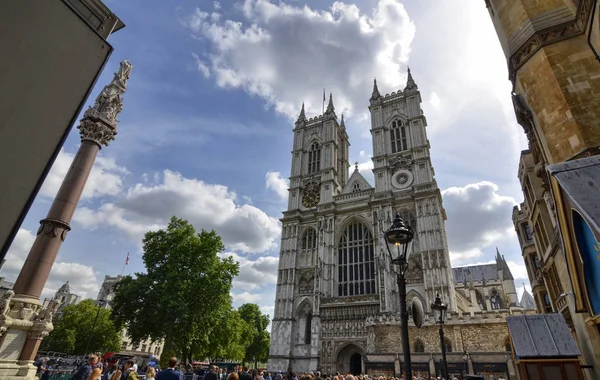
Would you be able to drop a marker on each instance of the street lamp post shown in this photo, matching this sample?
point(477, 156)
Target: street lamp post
point(439, 313)
point(397, 238)
point(87, 345)
point(465, 360)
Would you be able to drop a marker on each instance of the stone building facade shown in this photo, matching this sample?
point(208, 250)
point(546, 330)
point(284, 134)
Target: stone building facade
point(552, 52)
point(64, 297)
point(337, 302)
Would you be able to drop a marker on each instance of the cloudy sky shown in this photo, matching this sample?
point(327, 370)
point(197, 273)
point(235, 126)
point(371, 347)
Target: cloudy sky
point(206, 129)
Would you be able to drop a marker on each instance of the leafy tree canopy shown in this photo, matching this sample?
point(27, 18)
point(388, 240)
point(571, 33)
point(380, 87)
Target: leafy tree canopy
point(184, 293)
point(72, 330)
point(257, 339)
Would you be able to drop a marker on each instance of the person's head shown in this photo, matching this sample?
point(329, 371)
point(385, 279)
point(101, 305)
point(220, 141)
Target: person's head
point(129, 364)
point(233, 376)
point(349, 377)
point(93, 360)
point(150, 372)
point(172, 362)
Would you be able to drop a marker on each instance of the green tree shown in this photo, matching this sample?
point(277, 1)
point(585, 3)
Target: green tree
point(256, 336)
point(183, 294)
point(72, 331)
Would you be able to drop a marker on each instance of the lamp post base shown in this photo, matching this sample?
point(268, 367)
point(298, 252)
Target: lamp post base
point(404, 325)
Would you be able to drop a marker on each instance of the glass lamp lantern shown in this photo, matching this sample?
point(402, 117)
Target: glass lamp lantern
point(397, 239)
point(439, 310)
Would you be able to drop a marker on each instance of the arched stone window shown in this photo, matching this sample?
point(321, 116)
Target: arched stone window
point(419, 346)
point(309, 239)
point(480, 300)
point(496, 300)
point(356, 261)
point(398, 136)
point(448, 345)
point(314, 158)
point(304, 318)
point(355, 186)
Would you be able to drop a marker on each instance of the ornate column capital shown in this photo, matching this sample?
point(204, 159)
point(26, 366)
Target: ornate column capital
point(96, 132)
point(54, 227)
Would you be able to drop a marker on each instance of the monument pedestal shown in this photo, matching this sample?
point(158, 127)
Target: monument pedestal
point(23, 325)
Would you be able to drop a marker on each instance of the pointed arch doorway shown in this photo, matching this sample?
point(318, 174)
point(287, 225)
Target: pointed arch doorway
point(350, 360)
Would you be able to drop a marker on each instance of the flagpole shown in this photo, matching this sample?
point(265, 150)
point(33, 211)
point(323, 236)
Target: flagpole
point(323, 105)
point(124, 265)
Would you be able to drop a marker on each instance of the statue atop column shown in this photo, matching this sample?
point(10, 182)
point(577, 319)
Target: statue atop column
point(106, 108)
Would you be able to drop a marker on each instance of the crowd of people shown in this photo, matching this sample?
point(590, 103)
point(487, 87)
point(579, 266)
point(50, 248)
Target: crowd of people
point(94, 369)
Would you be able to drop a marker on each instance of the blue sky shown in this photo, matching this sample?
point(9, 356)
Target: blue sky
point(205, 133)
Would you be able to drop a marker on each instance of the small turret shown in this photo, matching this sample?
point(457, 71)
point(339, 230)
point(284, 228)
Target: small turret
point(330, 108)
point(410, 82)
point(375, 96)
point(342, 123)
point(302, 116)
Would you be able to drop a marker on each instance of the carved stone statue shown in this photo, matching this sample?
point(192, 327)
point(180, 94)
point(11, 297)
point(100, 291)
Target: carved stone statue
point(398, 163)
point(109, 103)
point(5, 302)
point(46, 314)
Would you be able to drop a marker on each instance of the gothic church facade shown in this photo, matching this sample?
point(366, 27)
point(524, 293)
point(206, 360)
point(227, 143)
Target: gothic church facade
point(336, 288)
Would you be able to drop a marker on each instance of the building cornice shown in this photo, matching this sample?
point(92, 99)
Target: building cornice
point(548, 36)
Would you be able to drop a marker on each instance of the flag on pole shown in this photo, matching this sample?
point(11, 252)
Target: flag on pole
point(127, 259)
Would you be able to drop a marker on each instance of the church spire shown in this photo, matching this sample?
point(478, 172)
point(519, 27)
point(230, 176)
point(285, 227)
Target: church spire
point(410, 82)
point(330, 107)
point(342, 124)
point(302, 116)
point(375, 95)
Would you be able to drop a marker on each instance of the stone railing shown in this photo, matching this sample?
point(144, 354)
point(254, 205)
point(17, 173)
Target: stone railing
point(350, 299)
point(353, 195)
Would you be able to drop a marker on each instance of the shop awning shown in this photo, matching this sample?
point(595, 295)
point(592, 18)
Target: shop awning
point(580, 181)
point(541, 336)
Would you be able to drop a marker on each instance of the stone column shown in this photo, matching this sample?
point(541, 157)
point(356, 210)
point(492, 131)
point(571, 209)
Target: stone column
point(23, 322)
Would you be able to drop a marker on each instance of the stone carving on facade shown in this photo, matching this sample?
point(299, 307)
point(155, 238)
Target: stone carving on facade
point(46, 314)
point(306, 282)
point(400, 163)
point(109, 103)
point(5, 302)
point(99, 121)
point(54, 228)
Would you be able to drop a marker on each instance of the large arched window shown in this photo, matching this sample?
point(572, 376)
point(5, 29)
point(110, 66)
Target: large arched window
point(356, 261)
point(398, 136)
point(309, 239)
point(314, 158)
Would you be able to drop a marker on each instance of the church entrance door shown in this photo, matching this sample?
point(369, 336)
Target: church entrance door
point(349, 360)
point(356, 364)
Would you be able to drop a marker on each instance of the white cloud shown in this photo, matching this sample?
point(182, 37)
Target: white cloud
point(201, 66)
point(245, 297)
point(283, 53)
point(106, 177)
point(149, 206)
point(81, 277)
point(254, 273)
point(278, 184)
point(478, 218)
point(435, 100)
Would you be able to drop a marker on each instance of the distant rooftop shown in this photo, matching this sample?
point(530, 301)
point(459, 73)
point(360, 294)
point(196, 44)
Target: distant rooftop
point(487, 272)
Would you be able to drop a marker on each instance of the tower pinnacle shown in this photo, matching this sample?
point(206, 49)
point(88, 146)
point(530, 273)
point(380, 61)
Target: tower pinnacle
point(410, 82)
point(342, 123)
point(330, 107)
point(302, 116)
point(375, 95)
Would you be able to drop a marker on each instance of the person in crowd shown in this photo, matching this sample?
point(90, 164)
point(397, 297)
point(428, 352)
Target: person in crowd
point(95, 374)
point(170, 373)
point(129, 371)
point(85, 370)
point(245, 375)
point(212, 373)
point(150, 373)
point(107, 375)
